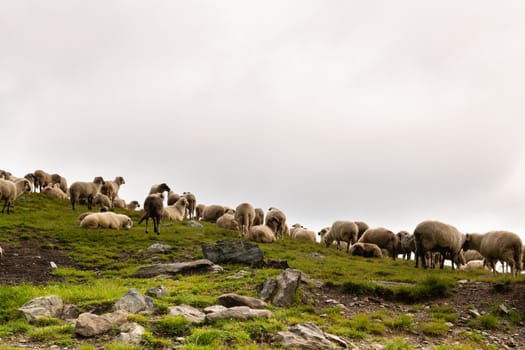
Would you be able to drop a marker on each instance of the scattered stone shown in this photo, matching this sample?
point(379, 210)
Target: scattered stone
point(194, 224)
point(474, 313)
point(232, 299)
point(503, 309)
point(134, 302)
point(53, 265)
point(311, 281)
point(267, 289)
point(90, 325)
point(174, 268)
point(214, 308)
point(238, 313)
point(70, 312)
point(287, 284)
point(158, 247)
point(50, 306)
point(132, 333)
point(307, 336)
point(237, 251)
point(188, 312)
point(157, 292)
point(216, 269)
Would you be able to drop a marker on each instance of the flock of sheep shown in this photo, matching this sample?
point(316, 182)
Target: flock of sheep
point(432, 242)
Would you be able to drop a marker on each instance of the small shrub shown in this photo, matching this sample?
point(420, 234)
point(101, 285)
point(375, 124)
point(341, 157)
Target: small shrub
point(120, 346)
point(171, 326)
point(398, 344)
point(402, 323)
point(488, 321)
point(433, 328)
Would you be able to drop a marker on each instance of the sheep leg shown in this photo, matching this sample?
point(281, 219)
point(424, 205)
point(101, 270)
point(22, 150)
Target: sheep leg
point(6, 204)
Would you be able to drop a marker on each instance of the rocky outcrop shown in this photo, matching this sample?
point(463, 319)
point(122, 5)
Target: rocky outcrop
point(134, 302)
point(307, 336)
point(202, 265)
point(237, 252)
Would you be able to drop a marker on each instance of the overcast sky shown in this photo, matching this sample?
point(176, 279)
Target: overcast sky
point(390, 112)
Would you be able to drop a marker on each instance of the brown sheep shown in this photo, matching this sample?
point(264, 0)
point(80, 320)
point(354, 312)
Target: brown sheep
point(192, 202)
point(341, 231)
point(85, 190)
point(61, 181)
point(261, 233)
point(9, 191)
point(276, 220)
point(227, 221)
point(159, 188)
point(173, 197)
point(259, 216)
point(497, 246)
point(245, 215)
point(42, 179)
point(212, 212)
point(199, 209)
point(383, 238)
point(153, 208)
point(362, 227)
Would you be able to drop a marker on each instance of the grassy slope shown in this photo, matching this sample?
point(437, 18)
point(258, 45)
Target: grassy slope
point(107, 259)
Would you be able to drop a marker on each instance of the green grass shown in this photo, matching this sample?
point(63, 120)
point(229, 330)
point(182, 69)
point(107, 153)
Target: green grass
point(103, 263)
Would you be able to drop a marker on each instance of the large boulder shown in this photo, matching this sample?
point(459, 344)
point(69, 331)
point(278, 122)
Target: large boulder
point(280, 291)
point(232, 299)
point(241, 313)
point(175, 268)
point(50, 306)
point(134, 302)
point(90, 325)
point(237, 251)
point(307, 336)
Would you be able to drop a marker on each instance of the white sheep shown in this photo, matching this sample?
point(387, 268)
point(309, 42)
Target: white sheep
point(192, 202)
point(9, 191)
point(477, 264)
point(367, 250)
point(298, 231)
point(199, 209)
point(107, 220)
point(212, 212)
point(55, 191)
point(497, 246)
point(133, 205)
point(227, 221)
point(159, 188)
point(261, 234)
point(111, 188)
point(119, 203)
point(383, 238)
point(276, 220)
point(259, 216)
point(101, 200)
point(341, 231)
point(435, 236)
point(176, 212)
point(472, 254)
point(85, 190)
point(153, 208)
point(245, 215)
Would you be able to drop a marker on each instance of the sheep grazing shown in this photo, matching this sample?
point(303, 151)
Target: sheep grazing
point(111, 188)
point(298, 231)
point(55, 191)
point(30, 177)
point(153, 208)
point(472, 254)
point(42, 179)
point(435, 236)
point(259, 216)
point(101, 200)
point(383, 238)
point(362, 227)
point(276, 220)
point(60, 181)
point(199, 208)
point(212, 212)
point(106, 220)
point(176, 212)
point(133, 205)
point(9, 191)
point(85, 190)
point(261, 234)
point(342, 231)
point(497, 246)
point(159, 188)
point(192, 202)
point(227, 221)
point(366, 250)
point(173, 197)
point(245, 215)
point(407, 244)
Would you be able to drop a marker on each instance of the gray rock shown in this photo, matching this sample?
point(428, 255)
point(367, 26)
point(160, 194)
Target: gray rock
point(503, 309)
point(214, 308)
point(306, 336)
point(233, 252)
point(134, 302)
point(194, 224)
point(131, 333)
point(188, 312)
point(232, 299)
point(90, 325)
point(268, 289)
point(238, 313)
point(158, 248)
point(70, 312)
point(157, 292)
point(287, 284)
point(43, 307)
point(174, 268)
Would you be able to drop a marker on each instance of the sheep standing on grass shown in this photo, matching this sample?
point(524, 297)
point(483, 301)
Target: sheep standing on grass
point(153, 208)
point(361, 227)
point(106, 220)
point(9, 191)
point(261, 234)
point(212, 212)
point(407, 244)
point(60, 181)
point(176, 212)
point(341, 231)
point(435, 236)
point(383, 238)
point(497, 246)
point(111, 188)
point(85, 190)
point(276, 220)
point(227, 221)
point(245, 215)
point(42, 179)
point(192, 202)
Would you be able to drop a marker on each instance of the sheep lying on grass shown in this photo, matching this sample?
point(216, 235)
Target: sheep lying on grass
point(101, 200)
point(107, 220)
point(298, 231)
point(383, 238)
point(227, 221)
point(261, 234)
point(474, 265)
point(9, 191)
point(367, 250)
point(85, 190)
point(497, 246)
point(212, 212)
point(133, 205)
point(55, 191)
point(341, 231)
point(153, 208)
point(435, 236)
point(176, 212)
